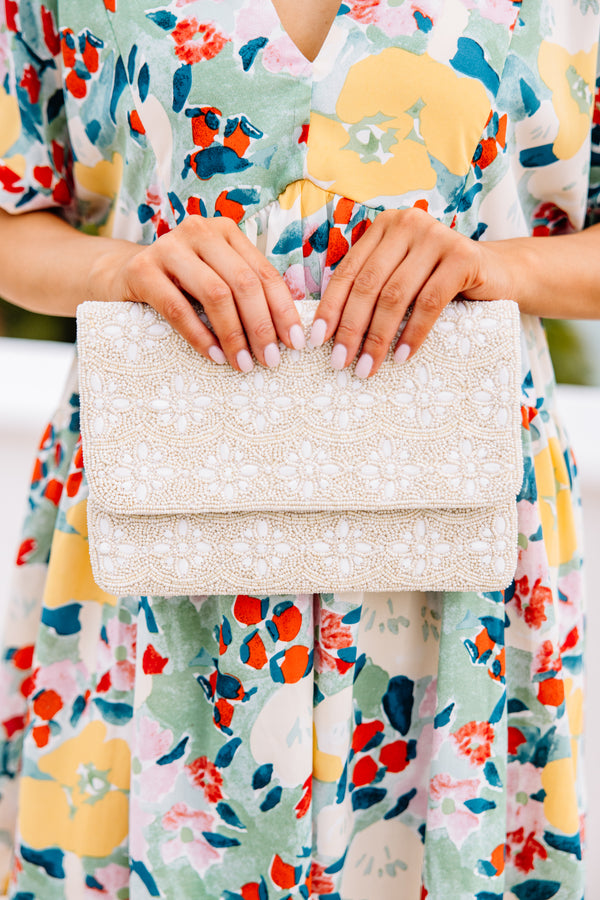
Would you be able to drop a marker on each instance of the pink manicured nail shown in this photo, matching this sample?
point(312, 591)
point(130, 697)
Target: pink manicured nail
point(272, 355)
point(401, 354)
point(217, 355)
point(317, 332)
point(363, 366)
point(338, 356)
point(297, 337)
point(244, 361)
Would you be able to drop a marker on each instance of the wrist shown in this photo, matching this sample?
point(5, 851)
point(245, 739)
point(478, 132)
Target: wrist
point(102, 283)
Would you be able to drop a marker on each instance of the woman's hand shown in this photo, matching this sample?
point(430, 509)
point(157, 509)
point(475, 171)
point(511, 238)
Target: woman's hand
point(404, 257)
point(245, 298)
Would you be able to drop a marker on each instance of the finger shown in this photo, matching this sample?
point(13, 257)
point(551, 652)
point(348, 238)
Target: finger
point(366, 295)
point(251, 308)
point(279, 299)
point(395, 297)
point(203, 283)
point(329, 311)
point(445, 283)
point(154, 287)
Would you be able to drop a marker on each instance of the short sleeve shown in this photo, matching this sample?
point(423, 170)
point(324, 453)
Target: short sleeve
point(35, 157)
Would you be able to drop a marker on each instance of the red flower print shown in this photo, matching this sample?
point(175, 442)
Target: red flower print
point(364, 734)
point(204, 774)
point(474, 741)
point(524, 858)
point(320, 883)
point(534, 612)
point(195, 42)
point(364, 10)
point(333, 634)
point(551, 219)
point(303, 805)
point(364, 772)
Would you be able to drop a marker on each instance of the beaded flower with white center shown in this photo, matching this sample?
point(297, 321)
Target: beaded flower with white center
point(226, 473)
point(180, 402)
point(468, 470)
point(307, 471)
point(261, 547)
point(342, 402)
point(107, 405)
point(491, 544)
point(465, 325)
point(389, 470)
point(344, 547)
point(113, 549)
point(182, 546)
point(135, 330)
point(259, 401)
point(142, 472)
point(427, 400)
point(421, 547)
point(493, 400)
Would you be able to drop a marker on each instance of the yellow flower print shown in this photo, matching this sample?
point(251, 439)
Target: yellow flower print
point(560, 802)
point(11, 129)
point(397, 109)
point(87, 790)
point(70, 576)
point(555, 504)
point(103, 179)
point(574, 699)
point(570, 77)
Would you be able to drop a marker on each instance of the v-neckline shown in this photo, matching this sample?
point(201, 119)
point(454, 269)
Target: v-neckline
point(308, 62)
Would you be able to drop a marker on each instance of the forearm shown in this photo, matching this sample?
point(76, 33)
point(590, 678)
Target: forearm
point(555, 277)
point(48, 266)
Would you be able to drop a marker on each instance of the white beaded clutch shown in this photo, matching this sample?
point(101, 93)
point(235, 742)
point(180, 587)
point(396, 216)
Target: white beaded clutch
point(296, 479)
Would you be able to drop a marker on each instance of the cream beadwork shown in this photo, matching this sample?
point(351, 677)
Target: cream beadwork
point(300, 478)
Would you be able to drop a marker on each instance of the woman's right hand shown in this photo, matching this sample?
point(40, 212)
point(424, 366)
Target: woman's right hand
point(247, 302)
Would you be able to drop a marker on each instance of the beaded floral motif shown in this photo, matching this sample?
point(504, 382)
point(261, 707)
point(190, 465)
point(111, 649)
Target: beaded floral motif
point(205, 479)
point(270, 552)
point(442, 430)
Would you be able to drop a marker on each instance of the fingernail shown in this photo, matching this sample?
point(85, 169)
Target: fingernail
point(317, 332)
point(401, 354)
point(338, 356)
point(363, 366)
point(272, 355)
point(244, 361)
point(217, 355)
point(297, 337)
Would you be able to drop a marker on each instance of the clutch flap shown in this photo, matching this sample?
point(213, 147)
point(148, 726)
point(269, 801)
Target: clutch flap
point(167, 432)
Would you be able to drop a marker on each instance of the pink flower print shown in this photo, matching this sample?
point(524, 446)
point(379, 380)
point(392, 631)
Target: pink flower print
point(294, 278)
point(123, 675)
point(189, 825)
point(524, 781)
point(450, 813)
point(140, 820)
point(255, 19)
point(63, 678)
point(205, 775)
point(282, 55)
point(152, 741)
point(113, 878)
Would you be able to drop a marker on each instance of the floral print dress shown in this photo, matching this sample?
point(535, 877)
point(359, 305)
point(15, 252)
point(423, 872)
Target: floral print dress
point(345, 746)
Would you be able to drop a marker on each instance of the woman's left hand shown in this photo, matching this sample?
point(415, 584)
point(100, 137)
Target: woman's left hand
point(406, 256)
